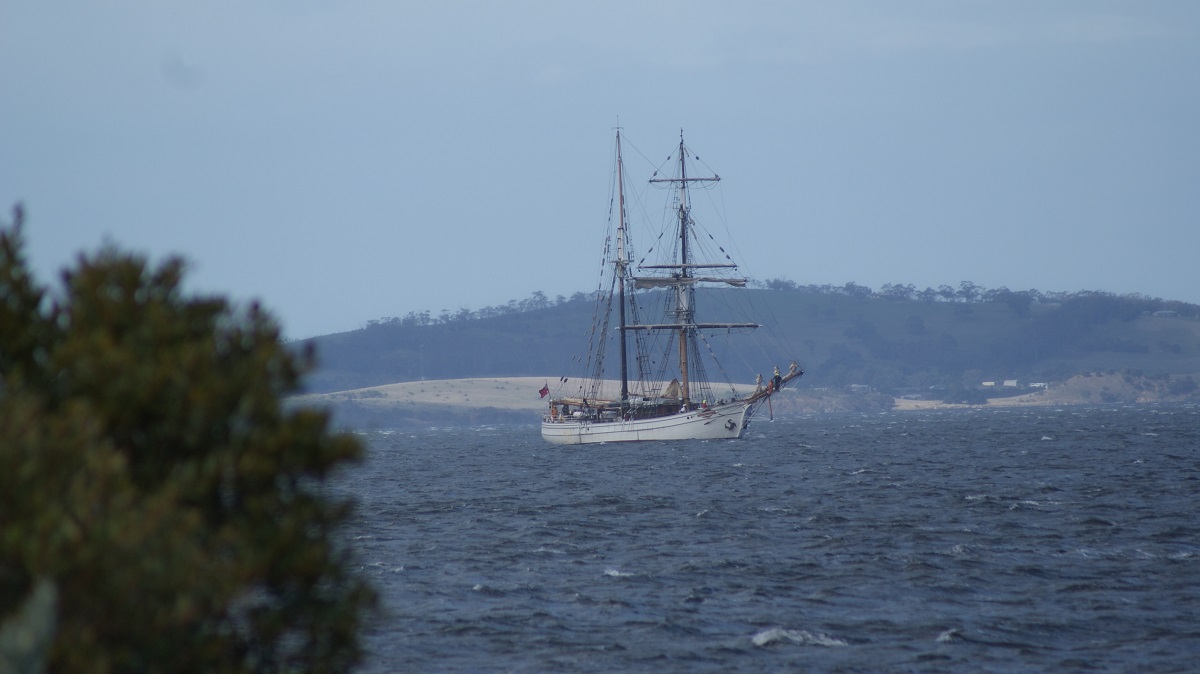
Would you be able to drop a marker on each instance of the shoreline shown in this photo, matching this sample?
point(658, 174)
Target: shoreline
point(1024, 400)
point(520, 394)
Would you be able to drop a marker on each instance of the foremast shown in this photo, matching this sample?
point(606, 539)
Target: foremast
point(684, 280)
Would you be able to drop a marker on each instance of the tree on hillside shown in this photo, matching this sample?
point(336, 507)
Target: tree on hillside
point(968, 292)
point(157, 499)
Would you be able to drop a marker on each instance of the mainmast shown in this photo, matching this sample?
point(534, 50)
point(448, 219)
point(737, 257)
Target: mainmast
point(621, 265)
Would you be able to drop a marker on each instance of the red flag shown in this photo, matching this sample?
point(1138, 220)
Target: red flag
point(544, 392)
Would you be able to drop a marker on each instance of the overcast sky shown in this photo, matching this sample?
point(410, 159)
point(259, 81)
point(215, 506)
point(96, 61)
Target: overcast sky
point(347, 161)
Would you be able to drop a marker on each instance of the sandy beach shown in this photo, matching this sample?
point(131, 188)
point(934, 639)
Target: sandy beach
point(503, 393)
point(1027, 400)
point(507, 393)
point(494, 397)
point(521, 394)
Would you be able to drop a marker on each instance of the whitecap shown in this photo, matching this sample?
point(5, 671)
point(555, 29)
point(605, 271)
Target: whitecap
point(385, 567)
point(802, 637)
point(616, 573)
point(949, 635)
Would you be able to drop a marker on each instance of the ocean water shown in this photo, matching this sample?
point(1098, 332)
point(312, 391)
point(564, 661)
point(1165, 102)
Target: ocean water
point(1008, 540)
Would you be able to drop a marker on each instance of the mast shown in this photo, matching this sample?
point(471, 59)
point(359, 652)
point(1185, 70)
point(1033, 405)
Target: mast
point(684, 279)
point(621, 265)
point(684, 292)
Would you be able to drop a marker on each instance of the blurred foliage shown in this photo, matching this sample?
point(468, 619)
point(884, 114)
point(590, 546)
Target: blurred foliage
point(152, 477)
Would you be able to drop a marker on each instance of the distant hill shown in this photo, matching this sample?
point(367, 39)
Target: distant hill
point(535, 338)
point(896, 341)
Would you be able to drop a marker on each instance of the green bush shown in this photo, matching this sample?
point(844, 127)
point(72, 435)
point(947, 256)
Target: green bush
point(151, 476)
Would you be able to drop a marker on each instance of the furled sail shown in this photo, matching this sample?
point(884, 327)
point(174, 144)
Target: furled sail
point(644, 282)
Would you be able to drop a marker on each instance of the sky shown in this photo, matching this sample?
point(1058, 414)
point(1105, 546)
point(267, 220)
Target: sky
point(346, 161)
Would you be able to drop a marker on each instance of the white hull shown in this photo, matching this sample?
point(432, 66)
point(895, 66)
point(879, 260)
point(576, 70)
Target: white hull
point(724, 422)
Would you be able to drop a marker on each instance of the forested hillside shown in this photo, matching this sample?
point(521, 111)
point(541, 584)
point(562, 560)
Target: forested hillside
point(896, 339)
point(533, 337)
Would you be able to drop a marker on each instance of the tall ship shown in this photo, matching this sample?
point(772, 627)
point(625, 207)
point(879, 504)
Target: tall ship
point(660, 386)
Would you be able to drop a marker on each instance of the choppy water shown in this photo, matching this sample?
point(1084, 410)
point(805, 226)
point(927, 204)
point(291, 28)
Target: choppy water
point(984, 541)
